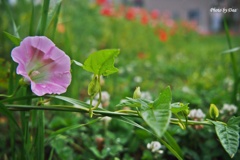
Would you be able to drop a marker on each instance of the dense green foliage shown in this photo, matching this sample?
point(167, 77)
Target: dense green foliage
point(190, 63)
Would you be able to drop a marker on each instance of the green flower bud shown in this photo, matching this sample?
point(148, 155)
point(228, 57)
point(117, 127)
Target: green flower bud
point(23, 82)
point(186, 112)
point(137, 93)
point(213, 111)
point(93, 87)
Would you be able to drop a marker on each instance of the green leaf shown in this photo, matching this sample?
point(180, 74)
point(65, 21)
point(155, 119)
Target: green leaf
point(77, 63)
point(228, 134)
point(171, 141)
point(53, 17)
point(8, 114)
point(129, 121)
point(77, 103)
point(130, 102)
point(15, 40)
point(231, 50)
point(158, 116)
point(102, 62)
point(9, 11)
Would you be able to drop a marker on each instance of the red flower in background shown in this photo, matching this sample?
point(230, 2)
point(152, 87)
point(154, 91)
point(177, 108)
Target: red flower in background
point(101, 2)
point(144, 19)
point(163, 37)
point(107, 11)
point(131, 13)
point(154, 14)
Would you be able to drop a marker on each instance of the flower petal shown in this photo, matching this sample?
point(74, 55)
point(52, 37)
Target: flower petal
point(49, 87)
point(42, 43)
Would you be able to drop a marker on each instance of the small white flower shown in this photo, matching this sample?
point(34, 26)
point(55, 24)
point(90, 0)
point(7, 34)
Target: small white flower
point(105, 96)
point(230, 108)
point(155, 146)
point(186, 89)
point(129, 68)
point(123, 101)
point(121, 70)
point(137, 79)
point(106, 120)
point(229, 83)
point(146, 95)
point(196, 114)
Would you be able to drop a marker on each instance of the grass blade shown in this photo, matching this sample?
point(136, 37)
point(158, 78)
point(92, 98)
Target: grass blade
point(44, 17)
point(32, 21)
point(55, 19)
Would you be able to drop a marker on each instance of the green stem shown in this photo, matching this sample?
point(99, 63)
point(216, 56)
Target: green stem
point(191, 122)
point(126, 111)
point(91, 109)
point(100, 94)
point(234, 64)
point(15, 107)
point(9, 96)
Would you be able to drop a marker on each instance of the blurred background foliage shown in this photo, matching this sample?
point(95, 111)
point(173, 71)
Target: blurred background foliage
point(155, 52)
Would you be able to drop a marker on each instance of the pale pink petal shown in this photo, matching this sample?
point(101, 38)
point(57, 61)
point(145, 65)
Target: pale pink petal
point(42, 43)
point(55, 53)
point(47, 88)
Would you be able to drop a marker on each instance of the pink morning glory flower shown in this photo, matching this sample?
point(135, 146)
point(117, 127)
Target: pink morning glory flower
point(43, 65)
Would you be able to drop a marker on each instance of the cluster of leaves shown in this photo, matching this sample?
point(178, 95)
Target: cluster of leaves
point(157, 114)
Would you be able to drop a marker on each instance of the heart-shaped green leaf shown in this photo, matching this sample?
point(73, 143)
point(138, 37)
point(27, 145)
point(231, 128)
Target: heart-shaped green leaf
point(158, 115)
point(102, 62)
point(228, 134)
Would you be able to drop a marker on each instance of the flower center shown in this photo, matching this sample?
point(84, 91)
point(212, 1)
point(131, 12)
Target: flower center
point(34, 73)
point(36, 76)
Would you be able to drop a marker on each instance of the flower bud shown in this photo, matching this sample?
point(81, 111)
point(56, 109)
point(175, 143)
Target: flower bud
point(186, 112)
point(93, 87)
point(137, 93)
point(23, 82)
point(213, 111)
